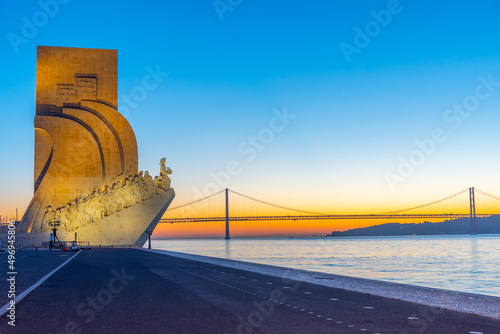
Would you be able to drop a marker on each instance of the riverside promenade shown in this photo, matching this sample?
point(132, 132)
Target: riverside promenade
point(140, 291)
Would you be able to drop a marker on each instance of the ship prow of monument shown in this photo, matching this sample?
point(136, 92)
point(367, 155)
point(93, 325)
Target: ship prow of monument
point(112, 215)
point(87, 183)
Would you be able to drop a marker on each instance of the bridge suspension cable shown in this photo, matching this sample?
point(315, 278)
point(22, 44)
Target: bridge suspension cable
point(274, 205)
point(196, 201)
point(424, 208)
point(487, 194)
point(243, 208)
point(486, 202)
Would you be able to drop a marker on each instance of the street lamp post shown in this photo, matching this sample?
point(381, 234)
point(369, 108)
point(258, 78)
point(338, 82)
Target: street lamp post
point(149, 237)
point(54, 223)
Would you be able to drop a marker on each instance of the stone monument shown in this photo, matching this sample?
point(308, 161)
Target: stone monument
point(86, 161)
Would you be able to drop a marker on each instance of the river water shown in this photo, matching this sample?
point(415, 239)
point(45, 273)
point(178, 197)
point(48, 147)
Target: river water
point(468, 263)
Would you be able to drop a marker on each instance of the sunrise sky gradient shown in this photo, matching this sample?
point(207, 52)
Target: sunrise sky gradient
point(233, 70)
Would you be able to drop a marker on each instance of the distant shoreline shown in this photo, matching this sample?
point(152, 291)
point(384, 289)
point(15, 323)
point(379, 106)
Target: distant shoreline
point(462, 226)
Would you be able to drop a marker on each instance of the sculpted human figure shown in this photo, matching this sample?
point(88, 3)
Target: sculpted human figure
point(78, 215)
point(72, 216)
point(126, 193)
point(164, 180)
point(89, 206)
point(99, 205)
point(157, 184)
point(117, 198)
point(149, 185)
point(108, 210)
point(50, 214)
point(144, 190)
point(83, 216)
point(137, 190)
point(110, 199)
point(95, 207)
point(64, 214)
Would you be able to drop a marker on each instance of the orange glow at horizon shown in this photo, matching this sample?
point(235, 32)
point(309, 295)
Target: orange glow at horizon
point(378, 205)
point(215, 207)
point(268, 228)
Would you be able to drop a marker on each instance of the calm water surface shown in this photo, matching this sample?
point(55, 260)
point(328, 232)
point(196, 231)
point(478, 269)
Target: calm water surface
point(462, 263)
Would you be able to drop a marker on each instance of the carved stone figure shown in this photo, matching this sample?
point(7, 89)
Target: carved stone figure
point(158, 188)
point(117, 198)
point(164, 180)
point(94, 206)
point(126, 192)
point(136, 187)
point(106, 201)
point(149, 185)
point(103, 203)
point(64, 213)
point(83, 218)
point(47, 218)
point(140, 177)
point(73, 216)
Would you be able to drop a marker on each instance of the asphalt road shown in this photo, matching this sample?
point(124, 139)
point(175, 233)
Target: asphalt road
point(31, 266)
point(131, 291)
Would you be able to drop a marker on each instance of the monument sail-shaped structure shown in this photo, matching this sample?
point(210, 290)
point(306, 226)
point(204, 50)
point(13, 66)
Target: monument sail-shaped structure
point(86, 173)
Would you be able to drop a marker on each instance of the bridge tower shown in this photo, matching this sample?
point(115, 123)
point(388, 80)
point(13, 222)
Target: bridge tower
point(227, 215)
point(472, 201)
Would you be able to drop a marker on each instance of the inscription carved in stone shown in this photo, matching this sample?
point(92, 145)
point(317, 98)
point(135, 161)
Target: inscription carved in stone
point(65, 93)
point(86, 87)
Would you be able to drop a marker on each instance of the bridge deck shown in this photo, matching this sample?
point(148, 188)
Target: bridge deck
point(316, 217)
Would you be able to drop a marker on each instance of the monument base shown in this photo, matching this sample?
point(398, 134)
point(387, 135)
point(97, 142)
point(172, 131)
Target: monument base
point(124, 228)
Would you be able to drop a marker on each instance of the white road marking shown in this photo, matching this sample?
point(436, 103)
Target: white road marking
point(412, 318)
point(23, 294)
point(333, 299)
point(368, 307)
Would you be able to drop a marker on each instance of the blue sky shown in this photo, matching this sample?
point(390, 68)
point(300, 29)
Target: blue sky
point(352, 120)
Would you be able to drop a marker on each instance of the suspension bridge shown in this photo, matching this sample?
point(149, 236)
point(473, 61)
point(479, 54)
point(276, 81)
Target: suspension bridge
point(216, 208)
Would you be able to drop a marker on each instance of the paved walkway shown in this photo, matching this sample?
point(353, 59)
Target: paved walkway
point(132, 291)
point(30, 265)
point(482, 305)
